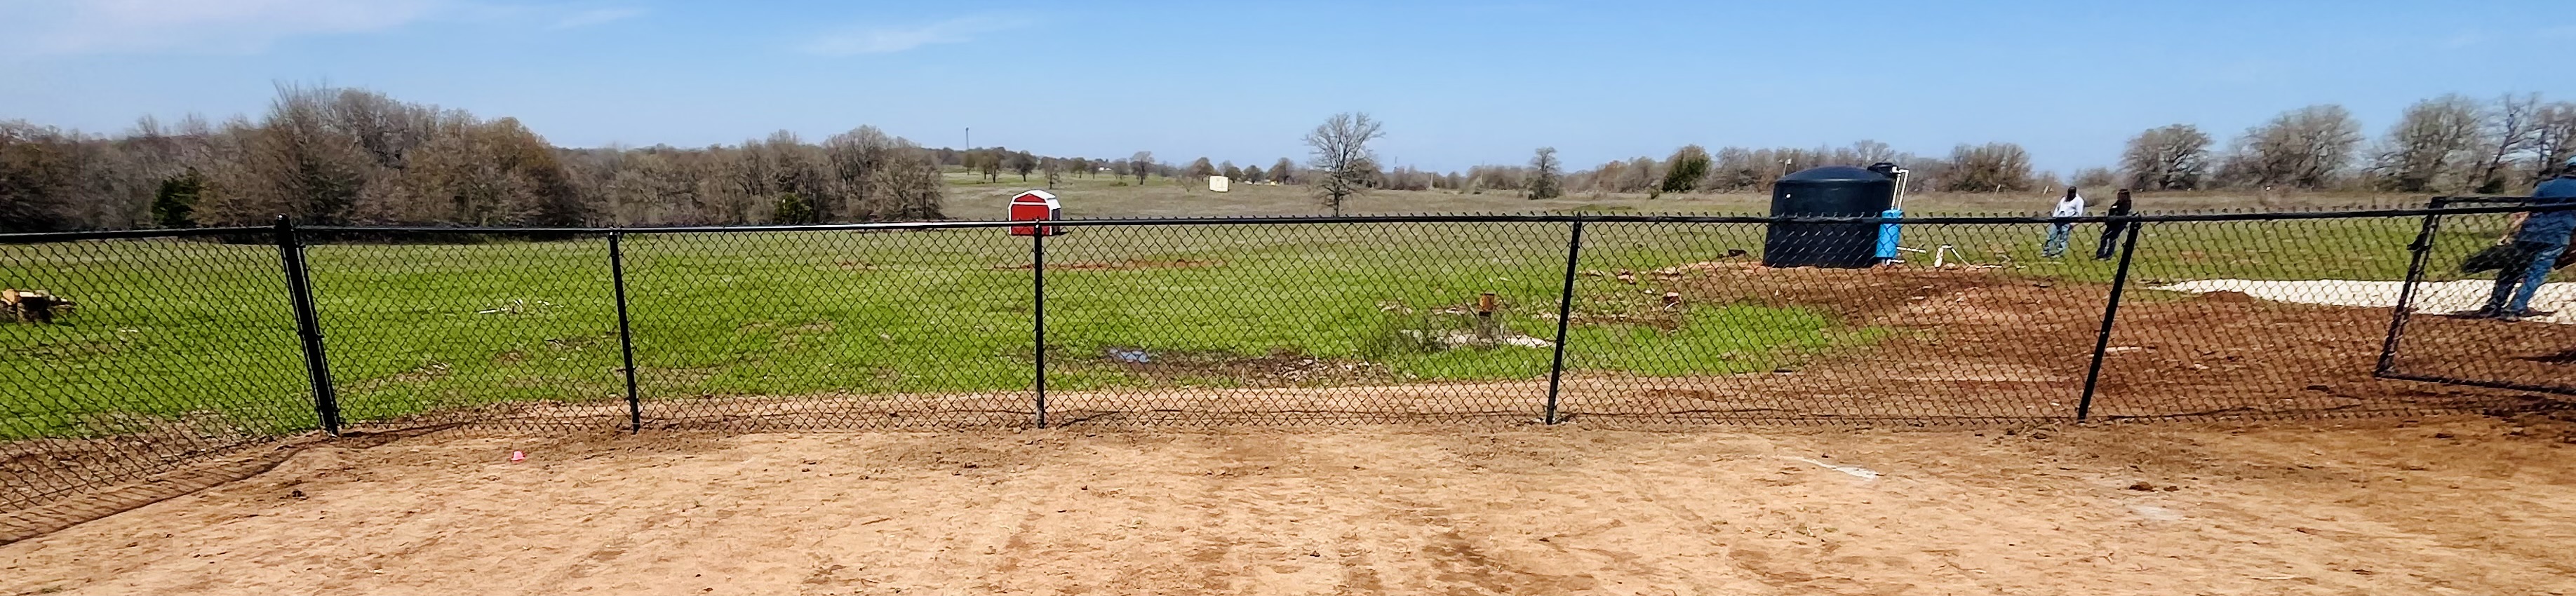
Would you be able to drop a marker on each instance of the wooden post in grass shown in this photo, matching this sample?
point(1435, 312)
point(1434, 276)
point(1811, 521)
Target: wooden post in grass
point(33, 306)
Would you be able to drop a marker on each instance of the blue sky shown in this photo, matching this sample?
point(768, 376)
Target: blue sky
point(1458, 83)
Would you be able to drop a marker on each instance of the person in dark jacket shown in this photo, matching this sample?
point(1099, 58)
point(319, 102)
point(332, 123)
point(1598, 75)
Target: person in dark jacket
point(2537, 239)
point(2111, 231)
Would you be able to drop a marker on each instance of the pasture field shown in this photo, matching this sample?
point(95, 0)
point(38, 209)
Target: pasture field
point(200, 333)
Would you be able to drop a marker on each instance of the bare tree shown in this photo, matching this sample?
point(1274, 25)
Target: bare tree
point(989, 161)
point(2554, 140)
point(2174, 157)
point(852, 160)
point(2096, 177)
point(1544, 180)
point(1644, 175)
point(1342, 162)
point(1252, 174)
point(1284, 171)
point(1054, 171)
point(910, 183)
point(2511, 128)
point(1230, 172)
point(2305, 148)
point(2428, 145)
point(301, 162)
point(1992, 167)
point(37, 173)
point(1140, 165)
point(1200, 170)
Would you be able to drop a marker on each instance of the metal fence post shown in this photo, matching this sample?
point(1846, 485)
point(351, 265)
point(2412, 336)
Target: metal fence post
point(308, 325)
point(2111, 312)
point(625, 333)
point(1037, 268)
point(1564, 317)
point(2423, 249)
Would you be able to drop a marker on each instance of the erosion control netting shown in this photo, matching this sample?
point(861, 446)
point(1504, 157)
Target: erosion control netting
point(186, 346)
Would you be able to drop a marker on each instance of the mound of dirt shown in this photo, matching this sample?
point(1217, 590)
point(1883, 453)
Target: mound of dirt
point(1979, 343)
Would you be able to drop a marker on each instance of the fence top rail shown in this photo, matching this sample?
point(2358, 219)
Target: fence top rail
point(2494, 205)
point(39, 237)
point(1484, 218)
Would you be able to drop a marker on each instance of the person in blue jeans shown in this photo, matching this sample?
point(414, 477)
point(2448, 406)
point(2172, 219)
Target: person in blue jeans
point(2537, 240)
point(2071, 206)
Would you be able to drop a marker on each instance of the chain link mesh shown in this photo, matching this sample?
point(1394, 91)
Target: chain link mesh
point(186, 348)
point(170, 350)
point(509, 332)
point(815, 330)
point(2444, 338)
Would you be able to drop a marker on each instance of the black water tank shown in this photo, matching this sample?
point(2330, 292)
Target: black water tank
point(1843, 191)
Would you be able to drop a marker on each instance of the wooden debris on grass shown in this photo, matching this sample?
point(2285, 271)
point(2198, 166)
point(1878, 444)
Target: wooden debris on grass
point(33, 306)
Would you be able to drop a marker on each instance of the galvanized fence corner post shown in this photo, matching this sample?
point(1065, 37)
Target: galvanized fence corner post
point(2422, 250)
point(625, 332)
point(1564, 317)
point(1037, 288)
point(2110, 313)
point(308, 326)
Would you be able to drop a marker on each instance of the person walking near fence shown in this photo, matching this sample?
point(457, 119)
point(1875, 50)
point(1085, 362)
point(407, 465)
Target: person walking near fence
point(2537, 240)
point(2070, 206)
point(2111, 231)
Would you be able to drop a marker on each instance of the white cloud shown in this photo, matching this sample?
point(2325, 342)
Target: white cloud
point(222, 26)
point(883, 40)
point(597, 16)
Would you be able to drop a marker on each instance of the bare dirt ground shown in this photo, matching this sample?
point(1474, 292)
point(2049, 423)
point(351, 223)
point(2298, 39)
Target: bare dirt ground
point(2466, 505)
point(1982, 345)
point(2470, 497)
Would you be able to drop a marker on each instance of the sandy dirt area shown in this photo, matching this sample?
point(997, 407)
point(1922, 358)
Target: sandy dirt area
point(2454, 505)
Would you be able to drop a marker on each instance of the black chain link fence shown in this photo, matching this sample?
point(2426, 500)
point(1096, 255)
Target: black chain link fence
point(2438, 334)
point(172, 347)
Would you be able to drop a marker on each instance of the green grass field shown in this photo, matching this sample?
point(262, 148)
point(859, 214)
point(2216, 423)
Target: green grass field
point(199, 333)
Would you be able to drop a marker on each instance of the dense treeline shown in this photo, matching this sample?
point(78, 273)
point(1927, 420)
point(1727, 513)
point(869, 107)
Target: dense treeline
point(349, 156)
point(2448, 144)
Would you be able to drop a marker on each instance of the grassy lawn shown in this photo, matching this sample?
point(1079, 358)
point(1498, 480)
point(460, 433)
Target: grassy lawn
point(200, 333)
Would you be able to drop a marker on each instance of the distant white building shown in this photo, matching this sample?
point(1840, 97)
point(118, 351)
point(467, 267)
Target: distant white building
point(1218, 183)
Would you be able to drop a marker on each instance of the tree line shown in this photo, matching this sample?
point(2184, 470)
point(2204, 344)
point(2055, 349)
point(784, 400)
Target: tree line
point(2447, 144)
point(350, 156)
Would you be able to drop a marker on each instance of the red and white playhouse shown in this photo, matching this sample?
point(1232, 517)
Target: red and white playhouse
point(1036, 205)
